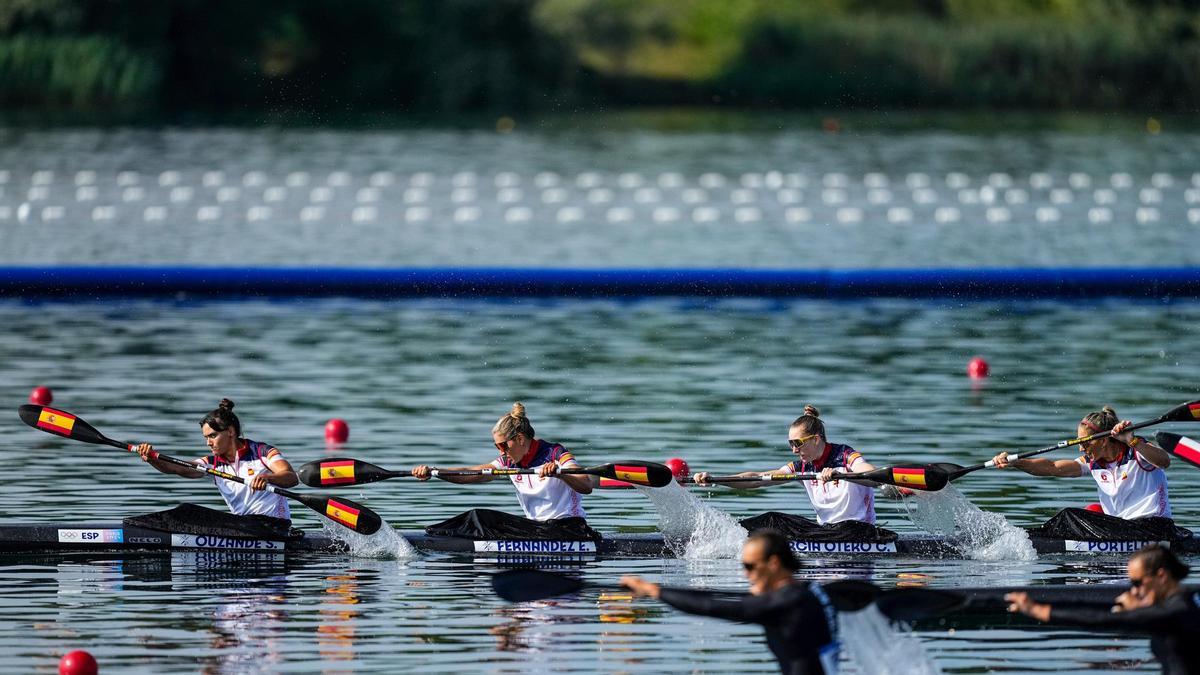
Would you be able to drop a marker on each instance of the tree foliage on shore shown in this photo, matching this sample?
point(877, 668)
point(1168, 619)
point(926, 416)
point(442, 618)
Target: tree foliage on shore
point(453, 56)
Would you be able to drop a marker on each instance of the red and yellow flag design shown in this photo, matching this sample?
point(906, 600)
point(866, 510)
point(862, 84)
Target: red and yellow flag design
point(913, 477)
point(1188, 449)
point(633, 474)
point(56, 421)
point(337, 473)
point(1194, 408)
point(342, 513)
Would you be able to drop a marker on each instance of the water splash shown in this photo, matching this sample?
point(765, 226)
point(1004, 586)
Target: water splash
point(387, 543)
point(692, 529)
point(977, 534)
point(879, 647)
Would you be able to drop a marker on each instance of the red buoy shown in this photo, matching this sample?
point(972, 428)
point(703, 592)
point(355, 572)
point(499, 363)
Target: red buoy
point(337, 431)
point(1095, 508)
point(977, 369)
point(78, 662)
point(41, 396)
point(678, 467)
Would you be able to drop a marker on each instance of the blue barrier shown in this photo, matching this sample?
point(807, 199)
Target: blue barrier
point(467, 282)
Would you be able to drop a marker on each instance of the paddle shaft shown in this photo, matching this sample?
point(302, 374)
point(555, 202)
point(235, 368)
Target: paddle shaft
point(1057, 446)
point(507, 472)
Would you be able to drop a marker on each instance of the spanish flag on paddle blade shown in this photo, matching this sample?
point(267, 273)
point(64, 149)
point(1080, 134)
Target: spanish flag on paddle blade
point(913, 477)
point(633, 474)
point(342, 513)
point(56, 421)
point(337, 473)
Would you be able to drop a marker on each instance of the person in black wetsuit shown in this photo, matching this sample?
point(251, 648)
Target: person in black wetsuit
point(799, 619)
point(1156, 603)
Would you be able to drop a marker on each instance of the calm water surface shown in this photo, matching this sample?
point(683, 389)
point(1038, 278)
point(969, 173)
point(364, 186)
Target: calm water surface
point(713, 382)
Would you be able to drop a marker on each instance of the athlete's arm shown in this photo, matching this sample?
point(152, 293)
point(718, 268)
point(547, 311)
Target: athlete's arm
point(281, 474)
point(425, 472)
point(1036, 466)
point(579, 482)
point(753, 479)
point(1153, 454)
point(147, 453)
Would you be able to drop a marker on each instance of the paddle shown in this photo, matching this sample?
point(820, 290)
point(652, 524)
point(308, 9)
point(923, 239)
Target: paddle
point(345, 512)
point(1182, 447)
point(339, 471)
point(936, 476)
point(885, 476)
point(850, 595)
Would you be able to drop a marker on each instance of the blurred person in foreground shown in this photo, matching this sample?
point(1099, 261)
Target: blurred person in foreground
point(798, 616)
point(1156, 603)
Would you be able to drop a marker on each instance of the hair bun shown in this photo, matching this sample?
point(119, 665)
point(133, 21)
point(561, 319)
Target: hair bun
point(811, 410)
point(518, 410)
point(225, 404)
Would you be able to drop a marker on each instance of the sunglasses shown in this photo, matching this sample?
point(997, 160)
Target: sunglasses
point(1137, 583)
point(503, 445)
point(749, 566)
point(797, 443)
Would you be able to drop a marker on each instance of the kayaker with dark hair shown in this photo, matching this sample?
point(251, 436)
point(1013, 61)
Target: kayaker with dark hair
point(1155, 603)
point(799, 619)
point(258, 463)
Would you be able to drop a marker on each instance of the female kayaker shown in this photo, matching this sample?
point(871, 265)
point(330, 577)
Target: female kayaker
point(258, 463)
point(1130, 474)
point(546, 497)
point(845, 510)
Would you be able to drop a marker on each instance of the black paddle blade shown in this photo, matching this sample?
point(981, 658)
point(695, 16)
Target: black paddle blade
point(1184, 412)
point(930, 477)
point(912, 604)
point(850, 595)
point(639, 473)
point(344, 512)
point(1181, 446)
point(61, 423)
point(529, 585)
point(337, 471)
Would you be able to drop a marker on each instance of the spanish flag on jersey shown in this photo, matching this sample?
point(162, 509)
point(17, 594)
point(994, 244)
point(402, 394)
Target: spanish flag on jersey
point(56, 421)
point(1194, 408)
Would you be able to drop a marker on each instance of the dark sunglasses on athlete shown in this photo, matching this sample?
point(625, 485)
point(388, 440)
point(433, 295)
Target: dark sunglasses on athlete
point(796, 443)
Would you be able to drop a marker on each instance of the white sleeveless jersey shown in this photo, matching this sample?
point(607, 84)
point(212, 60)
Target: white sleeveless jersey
point(252, 459)
point(836, 501)
point(545, 498)
point(1130, 487)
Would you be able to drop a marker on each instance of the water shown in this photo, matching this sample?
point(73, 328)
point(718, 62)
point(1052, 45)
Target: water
point(713, 382)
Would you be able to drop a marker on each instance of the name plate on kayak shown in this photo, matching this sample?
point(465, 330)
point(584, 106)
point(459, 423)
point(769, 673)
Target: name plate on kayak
point(842, 547)
point(91, 536)
point(207, 541)
point(1108, 546)
point(533, 546)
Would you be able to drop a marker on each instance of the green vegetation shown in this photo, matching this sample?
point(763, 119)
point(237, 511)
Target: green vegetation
point(503, 56)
